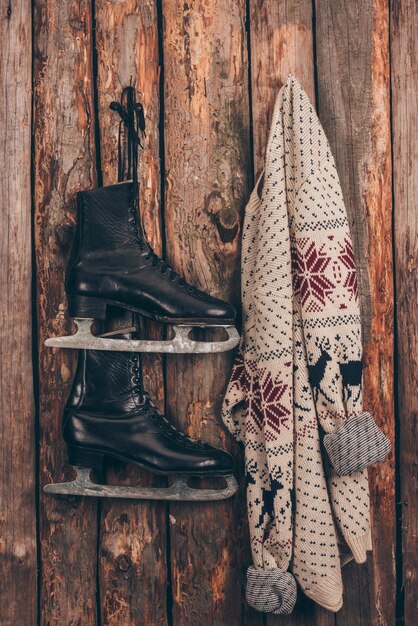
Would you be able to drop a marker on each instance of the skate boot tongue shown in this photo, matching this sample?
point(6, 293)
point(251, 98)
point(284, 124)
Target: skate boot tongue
point(132, 123)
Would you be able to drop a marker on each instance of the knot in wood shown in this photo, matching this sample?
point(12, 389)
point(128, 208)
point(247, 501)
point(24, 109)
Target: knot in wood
point(64, 233)
point(227, 222)
point(124, 562)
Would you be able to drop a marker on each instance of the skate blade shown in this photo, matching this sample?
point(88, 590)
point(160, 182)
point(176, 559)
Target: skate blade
point(180, 490)
point(179, 344)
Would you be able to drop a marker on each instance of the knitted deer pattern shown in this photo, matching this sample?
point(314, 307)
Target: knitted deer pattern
point(298, 372)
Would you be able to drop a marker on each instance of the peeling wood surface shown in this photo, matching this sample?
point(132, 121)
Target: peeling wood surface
point(281, 43)
point(404, 57)
point(352, 43)
point(208, 74)
point(64, 163)
point(206, 126)
point(133, 567)
point(17, 411)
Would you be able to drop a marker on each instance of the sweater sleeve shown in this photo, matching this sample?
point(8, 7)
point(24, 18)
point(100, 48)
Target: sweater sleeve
point(325, 282)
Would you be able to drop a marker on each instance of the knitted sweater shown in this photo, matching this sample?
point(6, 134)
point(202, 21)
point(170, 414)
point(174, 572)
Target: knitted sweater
point(298, 372)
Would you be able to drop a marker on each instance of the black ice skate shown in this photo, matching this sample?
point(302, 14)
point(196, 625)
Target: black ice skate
point(112, 264)
point(109, 416)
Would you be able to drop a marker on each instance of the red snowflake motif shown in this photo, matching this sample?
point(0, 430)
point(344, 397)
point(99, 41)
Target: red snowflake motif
point(309, 265)
point(276, 413)
point(264, 403)
point(238, 377)
point(347, 258)
point(254, 407)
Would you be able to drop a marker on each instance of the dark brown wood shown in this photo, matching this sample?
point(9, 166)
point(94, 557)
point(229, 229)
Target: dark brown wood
point(404, 58)
point(133, 568)
point(18, 560)
point(354, 107)
point(207, 182)
point(207, 177)
point(64, 163)
point(281, 44)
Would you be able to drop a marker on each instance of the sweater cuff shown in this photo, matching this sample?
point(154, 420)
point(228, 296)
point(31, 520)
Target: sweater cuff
point(271, 591)
point(356, 444)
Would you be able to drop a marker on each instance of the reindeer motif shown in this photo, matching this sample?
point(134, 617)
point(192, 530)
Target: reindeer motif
point(268, 496)
point(317, 371)
point(351, 374)
point(351, 370)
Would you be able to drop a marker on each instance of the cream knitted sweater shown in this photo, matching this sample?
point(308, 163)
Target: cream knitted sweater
point(298, 373)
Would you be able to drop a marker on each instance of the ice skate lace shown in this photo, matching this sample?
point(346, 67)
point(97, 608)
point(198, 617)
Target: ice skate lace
point(160, 420)
point(155, 260)
point(132, 123)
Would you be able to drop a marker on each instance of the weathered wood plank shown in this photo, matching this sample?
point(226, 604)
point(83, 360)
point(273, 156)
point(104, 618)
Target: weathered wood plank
point(18, 567)
point(354, 103)
point(133, 569)
point(207, 183)
point(64, 163)
point(404, 63)
point(281, 44)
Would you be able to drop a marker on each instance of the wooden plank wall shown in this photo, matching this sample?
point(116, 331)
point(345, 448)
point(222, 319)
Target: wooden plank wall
point(133, 542)
point(208, 72)
point(18, 550)
point(404, 58)
point(64, 162)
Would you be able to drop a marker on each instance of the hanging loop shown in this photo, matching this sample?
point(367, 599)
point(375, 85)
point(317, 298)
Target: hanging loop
point(131, 132)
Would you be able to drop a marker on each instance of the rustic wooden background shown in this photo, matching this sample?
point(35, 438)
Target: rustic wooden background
point(208, 72)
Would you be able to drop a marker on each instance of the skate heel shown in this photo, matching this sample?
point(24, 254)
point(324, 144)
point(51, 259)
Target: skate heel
point(80, 457)
point(84, 306)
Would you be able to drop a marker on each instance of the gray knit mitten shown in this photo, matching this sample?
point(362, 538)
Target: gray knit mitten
point(271, 591)
point(356, 444)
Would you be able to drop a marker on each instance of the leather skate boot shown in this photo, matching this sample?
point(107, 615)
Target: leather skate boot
point(113, 264)
point(108, 415)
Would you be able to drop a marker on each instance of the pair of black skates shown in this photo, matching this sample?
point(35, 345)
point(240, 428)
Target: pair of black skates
point(108, 413)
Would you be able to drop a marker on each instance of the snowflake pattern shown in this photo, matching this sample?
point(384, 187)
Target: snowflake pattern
point(309, 264)
point(268, 404)
point(238, 376)
point(275, 401)
point(300, 198)
point(319, 276)
point(347, 259)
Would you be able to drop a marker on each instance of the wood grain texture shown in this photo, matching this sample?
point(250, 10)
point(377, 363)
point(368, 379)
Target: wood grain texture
point(206, 122)
point(133, 569)
point(354, 107)
point(64, 163)
point(18, 559)
point(281, 44)
point(404, 58)
point(208, 175)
